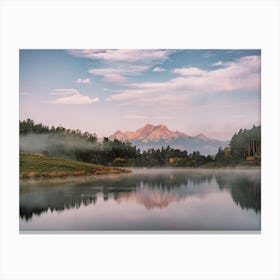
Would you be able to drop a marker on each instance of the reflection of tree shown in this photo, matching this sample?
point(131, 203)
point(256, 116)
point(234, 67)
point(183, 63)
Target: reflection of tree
point(245, 189)
point(150, 190)
point(53, 200)
point(173, 180)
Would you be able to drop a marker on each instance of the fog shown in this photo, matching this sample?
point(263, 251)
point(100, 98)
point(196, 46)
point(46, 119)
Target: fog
point(52, 144)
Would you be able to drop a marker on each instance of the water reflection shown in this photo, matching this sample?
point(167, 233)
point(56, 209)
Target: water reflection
point(151, 189)
point(245, 189)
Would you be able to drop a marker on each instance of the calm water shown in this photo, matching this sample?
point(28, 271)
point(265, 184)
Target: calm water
point(147, 199)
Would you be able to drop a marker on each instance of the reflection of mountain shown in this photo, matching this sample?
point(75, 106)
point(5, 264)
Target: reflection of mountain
point(152, 198)
point(151, 190)
point(245, 189)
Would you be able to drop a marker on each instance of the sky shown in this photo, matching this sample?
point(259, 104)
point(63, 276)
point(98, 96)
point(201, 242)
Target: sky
point(214, 92)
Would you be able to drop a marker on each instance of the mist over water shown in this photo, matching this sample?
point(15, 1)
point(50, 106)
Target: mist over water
point(147, 199)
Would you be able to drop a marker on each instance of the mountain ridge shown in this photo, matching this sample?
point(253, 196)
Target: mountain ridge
point(157, 136)
point(154, 132)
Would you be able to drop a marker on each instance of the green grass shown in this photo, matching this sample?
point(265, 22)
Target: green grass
point(37, 165)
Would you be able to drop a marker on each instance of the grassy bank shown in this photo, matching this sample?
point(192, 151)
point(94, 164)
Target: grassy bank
point(37, 165)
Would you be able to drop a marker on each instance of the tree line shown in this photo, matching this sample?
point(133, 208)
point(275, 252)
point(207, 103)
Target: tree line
point(84, 146)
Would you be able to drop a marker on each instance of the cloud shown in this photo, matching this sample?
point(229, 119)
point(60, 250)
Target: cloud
point(118, 74)
point(158, 69)
point(119, 66)
point(64, 91)
point(71, 96)
point(242, 74)
point(218, 63)
point(110, 75)
point(190, 71)
point(129, 55)
point(111, 90)
point(82, 81)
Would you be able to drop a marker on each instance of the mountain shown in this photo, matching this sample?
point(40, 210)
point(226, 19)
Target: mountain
point(202, 137)
point(157, 136)
point(148, 132)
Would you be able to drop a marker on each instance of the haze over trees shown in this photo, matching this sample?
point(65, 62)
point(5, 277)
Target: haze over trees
point(244, 148)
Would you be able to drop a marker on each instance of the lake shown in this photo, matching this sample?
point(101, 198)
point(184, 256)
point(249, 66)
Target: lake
point(157, 199)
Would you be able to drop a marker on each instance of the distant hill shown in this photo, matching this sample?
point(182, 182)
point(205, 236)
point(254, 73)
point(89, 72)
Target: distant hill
point(157, 136)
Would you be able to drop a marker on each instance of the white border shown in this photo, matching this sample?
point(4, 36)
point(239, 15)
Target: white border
point(157, 24)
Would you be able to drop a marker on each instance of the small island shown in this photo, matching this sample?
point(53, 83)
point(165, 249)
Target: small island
point(38, 165)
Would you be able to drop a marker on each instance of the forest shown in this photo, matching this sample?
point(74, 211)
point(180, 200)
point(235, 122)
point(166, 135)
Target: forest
point(244, 149)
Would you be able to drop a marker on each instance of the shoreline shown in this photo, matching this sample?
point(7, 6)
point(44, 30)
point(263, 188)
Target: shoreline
point(41, 166)
point(123, 171)
point(38, 166)
point(63, 174)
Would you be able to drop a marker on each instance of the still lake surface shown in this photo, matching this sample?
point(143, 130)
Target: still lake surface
point(146, 199)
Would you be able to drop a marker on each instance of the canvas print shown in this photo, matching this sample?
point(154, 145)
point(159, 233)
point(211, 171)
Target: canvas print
point(139, 140)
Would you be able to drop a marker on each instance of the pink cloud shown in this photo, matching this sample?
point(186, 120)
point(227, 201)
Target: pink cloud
point(130, 55)
point(118, 74)
point(119, 64)
point(191, 71)
point(71, 97)
point(64, 91)
point(110, 75)
point(238, 75)
point(114, 78)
